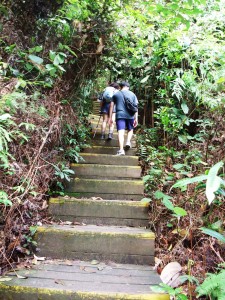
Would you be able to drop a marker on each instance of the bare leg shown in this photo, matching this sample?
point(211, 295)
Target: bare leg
point(121, 138)
point(104, 122)
point(111, 127)
point(129, 136)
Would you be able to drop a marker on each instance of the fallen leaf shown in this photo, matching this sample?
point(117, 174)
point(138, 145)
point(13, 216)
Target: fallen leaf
point(39, 258)
point(68, 263)
point(59, 282)
point(171, 274)
point(76, 223)
point(68, 223)
point(44, 205)
point(20, 276)
point(94, 262)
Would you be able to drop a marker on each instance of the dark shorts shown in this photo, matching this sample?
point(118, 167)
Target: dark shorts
point(125, 124)
point(105, 108)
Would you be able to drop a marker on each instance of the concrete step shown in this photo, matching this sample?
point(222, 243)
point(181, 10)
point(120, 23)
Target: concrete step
point(107, 159)
point(108, 150)
point(113, 186)
point(66, 280)
point(99, 212)
point(98, 134)
point(105, 171)
point(102, 243)
point(113, 143)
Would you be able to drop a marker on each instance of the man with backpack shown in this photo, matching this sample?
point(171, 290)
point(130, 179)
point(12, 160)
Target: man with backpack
point(105, 105)
point(126, 115)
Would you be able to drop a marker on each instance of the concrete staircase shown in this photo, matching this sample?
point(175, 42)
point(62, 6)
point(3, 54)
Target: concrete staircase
point(101, 248)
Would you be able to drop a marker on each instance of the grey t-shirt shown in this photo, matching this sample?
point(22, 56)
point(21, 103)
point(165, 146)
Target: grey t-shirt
point(118, 99)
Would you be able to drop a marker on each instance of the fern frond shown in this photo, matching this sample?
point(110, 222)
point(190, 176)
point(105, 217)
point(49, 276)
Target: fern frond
point(213, 286)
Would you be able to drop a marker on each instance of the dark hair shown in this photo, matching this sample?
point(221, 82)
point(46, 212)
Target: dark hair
point(124, 83)
point(115, 85)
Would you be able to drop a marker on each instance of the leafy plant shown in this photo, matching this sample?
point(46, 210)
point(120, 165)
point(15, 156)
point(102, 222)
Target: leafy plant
point(63, 172)
point(175, 293)
point(213, 286)
point(4, 199)
point(30, 243)
point(177, 211)
point(213, 181)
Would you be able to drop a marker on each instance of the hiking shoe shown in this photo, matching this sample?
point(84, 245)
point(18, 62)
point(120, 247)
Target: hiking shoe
point(128, 146)
point(120, 152)
point(102, 136)
point(110, 136)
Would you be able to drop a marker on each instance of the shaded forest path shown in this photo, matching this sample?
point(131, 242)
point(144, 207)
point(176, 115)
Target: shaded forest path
point(101, 249)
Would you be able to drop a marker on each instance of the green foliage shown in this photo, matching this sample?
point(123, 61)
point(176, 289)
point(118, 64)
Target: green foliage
point(213, 286)
point(175, 293)
point(213, 233)
point(4, 199)
point(213, 181)
point(177, 211)
point(30, 243)
point(63, 172)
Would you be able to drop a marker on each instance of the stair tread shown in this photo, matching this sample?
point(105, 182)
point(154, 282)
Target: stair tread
point(109, 155)
point(86, 281)
point(98, 200)
point(115, 230)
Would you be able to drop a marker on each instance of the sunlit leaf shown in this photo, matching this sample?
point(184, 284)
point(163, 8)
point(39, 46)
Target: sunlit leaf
point(36, 59)
point(179, 211)
point(186, 181)
point(146, 200)
point(168, 204)
point(145, 79)
point(213, 233)
point(213, 182)
point(185, 108)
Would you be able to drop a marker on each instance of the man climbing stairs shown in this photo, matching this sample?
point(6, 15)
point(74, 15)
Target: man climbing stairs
point(100, 247)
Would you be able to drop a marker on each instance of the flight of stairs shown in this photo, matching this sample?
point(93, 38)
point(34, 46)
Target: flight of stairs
point(100, 247)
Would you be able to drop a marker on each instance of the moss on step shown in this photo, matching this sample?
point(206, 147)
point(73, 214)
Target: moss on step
point(19, 292)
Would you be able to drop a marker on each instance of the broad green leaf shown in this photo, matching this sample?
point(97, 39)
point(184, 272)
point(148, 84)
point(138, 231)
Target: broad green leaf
point(157, 289)
point(213, 233)
point(160, 195)
point(180, 211)
point(5, 117)
point(178, 166)
point(221, 80)
point(145, 79)
point(146, 178)
point(182, 139)
point(213, 182)
point(36, 59)
point(52, 55)
point(21, 83)
point(50, 67)
point(59, 59)
point(146, 200)
point(186, 181)
point(217, 225)
point(168, 204)
point(4, 199)
point(185, 108)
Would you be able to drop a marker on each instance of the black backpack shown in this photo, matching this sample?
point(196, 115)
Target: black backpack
point(130, 104)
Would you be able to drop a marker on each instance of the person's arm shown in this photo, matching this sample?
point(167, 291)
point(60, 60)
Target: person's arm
point(111, 112)
point(136, 114)
point(136, 119)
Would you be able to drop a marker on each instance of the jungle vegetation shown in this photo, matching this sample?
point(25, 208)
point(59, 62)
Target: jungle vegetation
point(56, 56)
